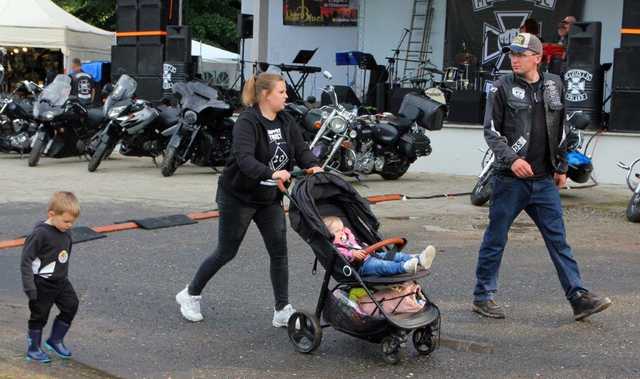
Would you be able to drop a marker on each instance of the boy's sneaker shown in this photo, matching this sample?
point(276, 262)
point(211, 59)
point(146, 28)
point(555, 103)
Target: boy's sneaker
point(411, 266)
point(34, 353)
point(587, 303)
point(426, 257)
point(281, 317)
point(189, 305)
point(488, 308)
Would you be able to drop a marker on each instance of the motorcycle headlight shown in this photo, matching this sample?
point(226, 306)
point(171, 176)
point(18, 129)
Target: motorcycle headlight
point(49, 115)
point(115, 111)
point(190, 117)
point(338, 125)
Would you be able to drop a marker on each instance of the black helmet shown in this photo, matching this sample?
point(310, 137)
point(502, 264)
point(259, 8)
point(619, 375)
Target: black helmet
point(580, 173)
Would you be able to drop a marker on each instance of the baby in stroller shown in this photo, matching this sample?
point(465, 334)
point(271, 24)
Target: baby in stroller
point(375, 264)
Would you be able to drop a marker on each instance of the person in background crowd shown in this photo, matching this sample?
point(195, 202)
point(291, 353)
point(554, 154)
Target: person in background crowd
point(563, 29)
point(82, 84)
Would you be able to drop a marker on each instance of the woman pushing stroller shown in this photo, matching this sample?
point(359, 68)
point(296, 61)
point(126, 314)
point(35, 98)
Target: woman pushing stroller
point(266, 142)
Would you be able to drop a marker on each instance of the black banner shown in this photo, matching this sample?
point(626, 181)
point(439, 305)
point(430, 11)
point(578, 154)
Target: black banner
point(320, 12)
point(483, 27)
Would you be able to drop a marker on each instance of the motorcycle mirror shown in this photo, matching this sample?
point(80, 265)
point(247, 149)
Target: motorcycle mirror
point(327, 75)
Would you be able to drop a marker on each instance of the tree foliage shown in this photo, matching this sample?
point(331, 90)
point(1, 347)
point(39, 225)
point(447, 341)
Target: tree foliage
point(211, 21)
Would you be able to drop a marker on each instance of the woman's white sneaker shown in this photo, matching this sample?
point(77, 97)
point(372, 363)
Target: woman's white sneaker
point(189, 305)
point(426, 257)
point(281, 317)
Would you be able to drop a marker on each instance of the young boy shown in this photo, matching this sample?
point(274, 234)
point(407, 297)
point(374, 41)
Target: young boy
point(44, 269)
point(375, 264)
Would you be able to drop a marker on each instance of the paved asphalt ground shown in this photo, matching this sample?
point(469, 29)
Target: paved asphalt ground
point(129, 325)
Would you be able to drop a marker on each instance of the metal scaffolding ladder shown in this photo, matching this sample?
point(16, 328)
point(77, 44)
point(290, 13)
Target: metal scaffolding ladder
point(417, 48)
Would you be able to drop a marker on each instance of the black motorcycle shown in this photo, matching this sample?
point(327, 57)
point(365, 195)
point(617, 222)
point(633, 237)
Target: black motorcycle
point(203, 133)
point(17, 126)
point(633, 181)
point(65, 126)
point(134, 123)
point(387, 145)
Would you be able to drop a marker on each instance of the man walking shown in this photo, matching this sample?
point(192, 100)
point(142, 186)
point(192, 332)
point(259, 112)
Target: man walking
point(524, 127)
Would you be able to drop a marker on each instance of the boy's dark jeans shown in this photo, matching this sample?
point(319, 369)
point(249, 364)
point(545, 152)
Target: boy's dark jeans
point(235, 217)
point(61, 294)
point(541, 200)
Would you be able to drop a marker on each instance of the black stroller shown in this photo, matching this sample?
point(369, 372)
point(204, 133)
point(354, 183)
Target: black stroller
point(324, 194)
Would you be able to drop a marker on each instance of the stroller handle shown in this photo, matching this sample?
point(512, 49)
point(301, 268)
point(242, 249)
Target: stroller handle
point(398, 241)
point(294, 174)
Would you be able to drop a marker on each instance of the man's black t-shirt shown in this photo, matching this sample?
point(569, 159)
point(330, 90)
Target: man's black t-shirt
point(538, 154)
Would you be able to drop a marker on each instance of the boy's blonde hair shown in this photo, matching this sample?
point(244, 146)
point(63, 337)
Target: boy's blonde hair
point(62, 202)
point(332, 223)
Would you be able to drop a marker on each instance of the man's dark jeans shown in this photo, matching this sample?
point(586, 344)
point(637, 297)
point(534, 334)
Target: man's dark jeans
point(541, 200)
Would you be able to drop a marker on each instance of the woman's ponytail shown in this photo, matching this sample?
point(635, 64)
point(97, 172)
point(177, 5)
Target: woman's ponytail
point(249, 92)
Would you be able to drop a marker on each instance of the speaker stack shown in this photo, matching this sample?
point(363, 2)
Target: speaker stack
point(584, 79)
point(626, 76)
point(177, 64)
point(144, 34)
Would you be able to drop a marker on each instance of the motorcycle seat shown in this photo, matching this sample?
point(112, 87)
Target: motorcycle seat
point(402, 124)
point(94, 117)
point(298, 108)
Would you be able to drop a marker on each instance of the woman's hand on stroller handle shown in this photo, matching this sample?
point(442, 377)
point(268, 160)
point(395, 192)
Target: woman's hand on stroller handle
point(283, 176)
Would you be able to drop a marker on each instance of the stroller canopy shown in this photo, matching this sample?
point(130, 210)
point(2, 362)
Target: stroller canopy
point(325, 194)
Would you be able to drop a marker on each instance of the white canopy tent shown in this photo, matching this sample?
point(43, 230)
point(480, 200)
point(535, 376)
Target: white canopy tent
point(43, 24)
point(215, 64)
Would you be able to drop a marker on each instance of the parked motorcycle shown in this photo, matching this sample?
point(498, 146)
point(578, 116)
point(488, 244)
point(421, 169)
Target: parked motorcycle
point(64, 126)
point(203, 133)
point(368, 144)
point(17, 125)
point(580, 164)
point(633, 182)
point(134, 123)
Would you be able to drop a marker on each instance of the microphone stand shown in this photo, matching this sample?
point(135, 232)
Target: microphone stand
point(392, 68)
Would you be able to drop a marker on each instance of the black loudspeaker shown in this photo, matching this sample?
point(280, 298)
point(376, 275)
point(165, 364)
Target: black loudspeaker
point(624, 116)
point(584, 79)
point(245, 25)
point(626, 75)
point(467, 106)
point(178, 44)
point(149, 88)
point(345, 96)
point(152, 16)
point(150, 59)
point(124, 60)
point(127, 20)
point(584, 43)
point(630, 20)
point(397, 95)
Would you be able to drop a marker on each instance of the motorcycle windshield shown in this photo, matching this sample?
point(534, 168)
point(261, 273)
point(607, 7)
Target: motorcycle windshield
point(197, 96)
point(53, 96)
point(123, 90)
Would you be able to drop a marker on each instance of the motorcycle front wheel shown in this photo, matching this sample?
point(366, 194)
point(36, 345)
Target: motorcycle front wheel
point(481, 191)
point(101, 152)
point(169, 163)
point(36, 151)
point(633, 209)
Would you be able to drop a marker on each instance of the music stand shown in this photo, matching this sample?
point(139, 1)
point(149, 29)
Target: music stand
point(303, 57)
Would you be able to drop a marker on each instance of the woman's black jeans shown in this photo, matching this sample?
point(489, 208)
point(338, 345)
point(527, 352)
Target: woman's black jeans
point(235, 217)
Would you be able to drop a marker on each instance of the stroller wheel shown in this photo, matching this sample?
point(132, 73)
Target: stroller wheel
point(304, 331)
point(390, 350)
point(424, 341)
